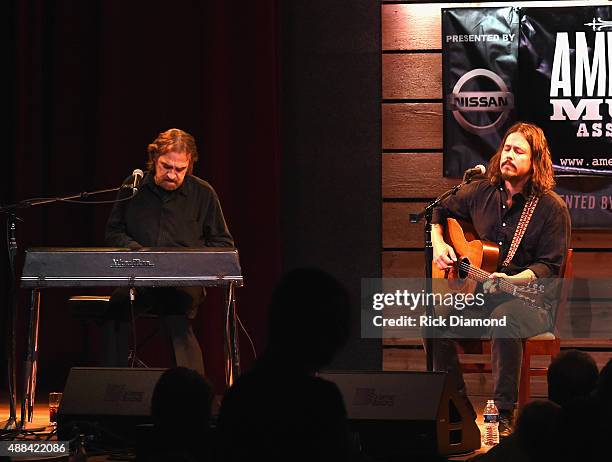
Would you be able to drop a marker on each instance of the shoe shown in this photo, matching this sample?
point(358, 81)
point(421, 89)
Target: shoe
point(506, 423)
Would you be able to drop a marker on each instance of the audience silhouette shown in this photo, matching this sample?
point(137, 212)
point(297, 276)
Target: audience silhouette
point(281, 410)
point(572, 374)
point(603, 397)
point(537, 429)
point(562, 428)
point(181, 411)
point(585, 428)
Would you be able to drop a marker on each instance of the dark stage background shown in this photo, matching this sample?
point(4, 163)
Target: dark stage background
point(331, 169)
point(282, 98)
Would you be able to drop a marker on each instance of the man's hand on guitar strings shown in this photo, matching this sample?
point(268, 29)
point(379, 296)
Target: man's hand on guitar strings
point(492, 285)
point(443, 255)
point(524, 277)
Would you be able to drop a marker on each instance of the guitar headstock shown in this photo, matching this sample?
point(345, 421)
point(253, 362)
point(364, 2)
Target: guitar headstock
point(531, 295)
point(526, 299)
point(532, 288)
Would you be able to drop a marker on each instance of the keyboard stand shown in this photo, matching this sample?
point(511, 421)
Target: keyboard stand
point(229, 283)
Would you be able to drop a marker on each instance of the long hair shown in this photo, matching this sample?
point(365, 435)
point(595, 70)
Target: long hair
point(172, 140)
point(542, 178)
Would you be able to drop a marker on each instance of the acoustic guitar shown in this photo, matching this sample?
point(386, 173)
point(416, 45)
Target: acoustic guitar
point(476, 260)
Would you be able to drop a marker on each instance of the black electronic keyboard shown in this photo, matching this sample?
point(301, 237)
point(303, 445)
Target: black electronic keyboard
point(111, 267)
point(147, 267)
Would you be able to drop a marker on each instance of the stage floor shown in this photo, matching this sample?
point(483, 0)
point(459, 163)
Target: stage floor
point(41, 419)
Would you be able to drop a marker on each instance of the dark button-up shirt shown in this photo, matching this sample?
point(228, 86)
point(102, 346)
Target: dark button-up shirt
point(190, 216)
point(546, 239)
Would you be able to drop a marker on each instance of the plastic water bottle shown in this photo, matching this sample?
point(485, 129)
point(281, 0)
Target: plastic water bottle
point(491, 423)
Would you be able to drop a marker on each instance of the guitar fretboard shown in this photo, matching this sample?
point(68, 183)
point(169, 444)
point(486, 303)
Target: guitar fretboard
point(482, 276)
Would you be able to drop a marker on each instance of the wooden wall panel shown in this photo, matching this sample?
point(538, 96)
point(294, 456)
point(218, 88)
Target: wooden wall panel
point(412, 71)
point(592, 238)
point(411, 27)
point(399, 359)
point(404, 264)
point(414, 175)
point(412, 126)
point(592, 264)
point(584, 325)
point(593, 289)
point(411, 76)
point(478, 384)
point(419, 26)
point(586, 319)
point(399, 233)
point(566, 343)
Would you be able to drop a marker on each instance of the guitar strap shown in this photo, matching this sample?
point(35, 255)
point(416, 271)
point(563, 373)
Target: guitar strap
point(526, 215)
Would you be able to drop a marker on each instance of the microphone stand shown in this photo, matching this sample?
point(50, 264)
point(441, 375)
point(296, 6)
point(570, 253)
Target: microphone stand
point(427, 213)
point(11, 211)
point(11, 348)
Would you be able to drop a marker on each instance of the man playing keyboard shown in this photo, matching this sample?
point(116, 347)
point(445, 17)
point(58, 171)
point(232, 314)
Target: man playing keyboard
point(172, 208)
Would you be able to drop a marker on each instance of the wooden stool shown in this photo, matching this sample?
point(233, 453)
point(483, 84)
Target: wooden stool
point(546, 344)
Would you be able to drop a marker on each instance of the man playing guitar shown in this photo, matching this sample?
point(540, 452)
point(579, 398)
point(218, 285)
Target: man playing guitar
point(515, 208)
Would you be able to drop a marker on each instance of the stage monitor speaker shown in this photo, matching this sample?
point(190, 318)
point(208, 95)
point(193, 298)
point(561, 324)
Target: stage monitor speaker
point(109, 403)
point(400, 413)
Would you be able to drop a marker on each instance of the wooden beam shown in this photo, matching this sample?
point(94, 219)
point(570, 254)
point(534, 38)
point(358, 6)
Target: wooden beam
point(412, 76)
point(411, 27)
point(414, 175)
point(406, 264)
point(412, 126)
point(399, 233)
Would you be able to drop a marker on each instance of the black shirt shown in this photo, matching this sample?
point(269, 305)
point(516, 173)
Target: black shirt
point(546, 239)
point(189, 216)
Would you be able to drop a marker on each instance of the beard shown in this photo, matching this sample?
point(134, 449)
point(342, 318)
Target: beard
point(508, 171)
point(513, 177)
point(169, 185)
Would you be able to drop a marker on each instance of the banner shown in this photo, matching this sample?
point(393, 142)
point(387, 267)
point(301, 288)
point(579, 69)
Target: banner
point(565, 88)
point(565, 75)
point(479, 73)
point(589, 200)
point(558, 75)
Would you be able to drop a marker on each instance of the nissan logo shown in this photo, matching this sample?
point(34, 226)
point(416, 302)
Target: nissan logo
point(460, 102)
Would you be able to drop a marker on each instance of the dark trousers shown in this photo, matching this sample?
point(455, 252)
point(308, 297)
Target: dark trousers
point(176, 306)
point(506, 344)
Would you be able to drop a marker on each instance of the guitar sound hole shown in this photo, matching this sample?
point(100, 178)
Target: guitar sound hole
point(463, 271)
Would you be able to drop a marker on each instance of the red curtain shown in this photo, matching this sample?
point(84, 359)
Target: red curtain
point(92, 83)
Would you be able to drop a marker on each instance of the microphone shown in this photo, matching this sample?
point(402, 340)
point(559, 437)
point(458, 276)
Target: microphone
point(137, 175)
point(472, 172)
